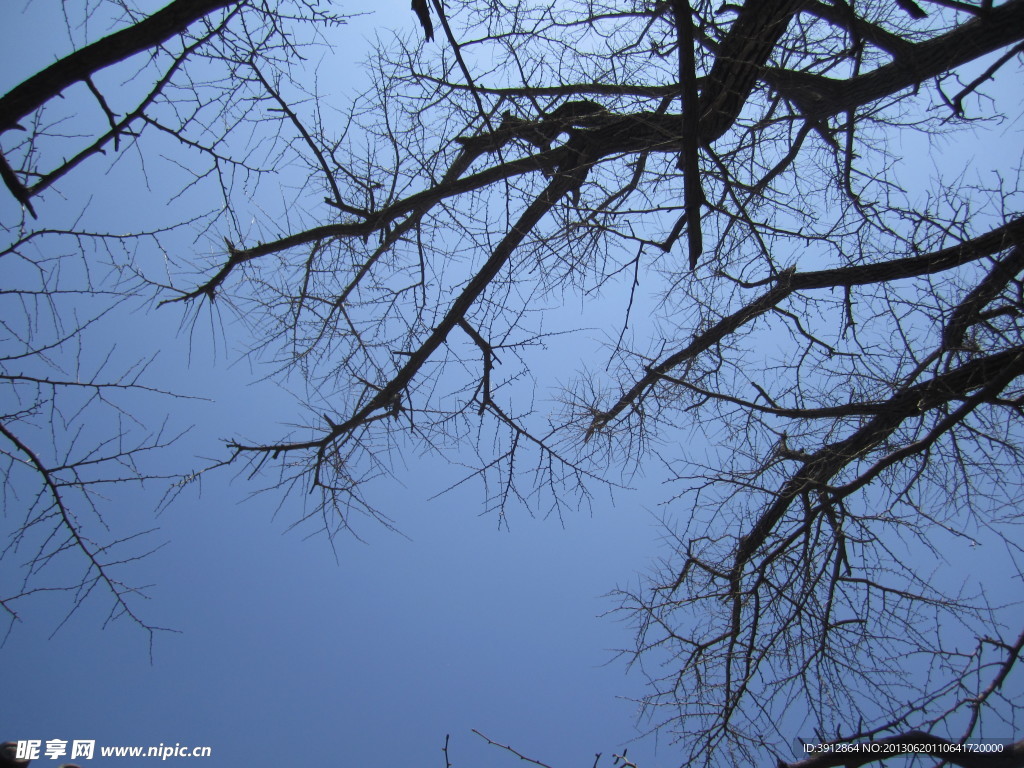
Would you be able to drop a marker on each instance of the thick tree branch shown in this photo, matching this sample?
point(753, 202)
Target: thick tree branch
point(739, 62)
point(822, 96)
point(843, 16)
point(689, 158)
point(789, 282)
point(991, 373)
point(562, 183)
point(31, 94)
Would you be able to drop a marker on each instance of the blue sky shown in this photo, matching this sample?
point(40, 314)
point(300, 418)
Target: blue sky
point(372, 658)
point(329, 653)
point(290, 646)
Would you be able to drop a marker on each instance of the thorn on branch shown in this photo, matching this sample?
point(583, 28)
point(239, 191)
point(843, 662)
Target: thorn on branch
point(447, 762)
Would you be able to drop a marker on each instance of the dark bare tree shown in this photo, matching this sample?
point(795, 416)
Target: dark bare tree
point(819, 341)
point(181, 82)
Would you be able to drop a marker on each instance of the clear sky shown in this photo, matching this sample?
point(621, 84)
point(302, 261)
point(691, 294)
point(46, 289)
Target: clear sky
point(369, 660)
point(288, 651)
